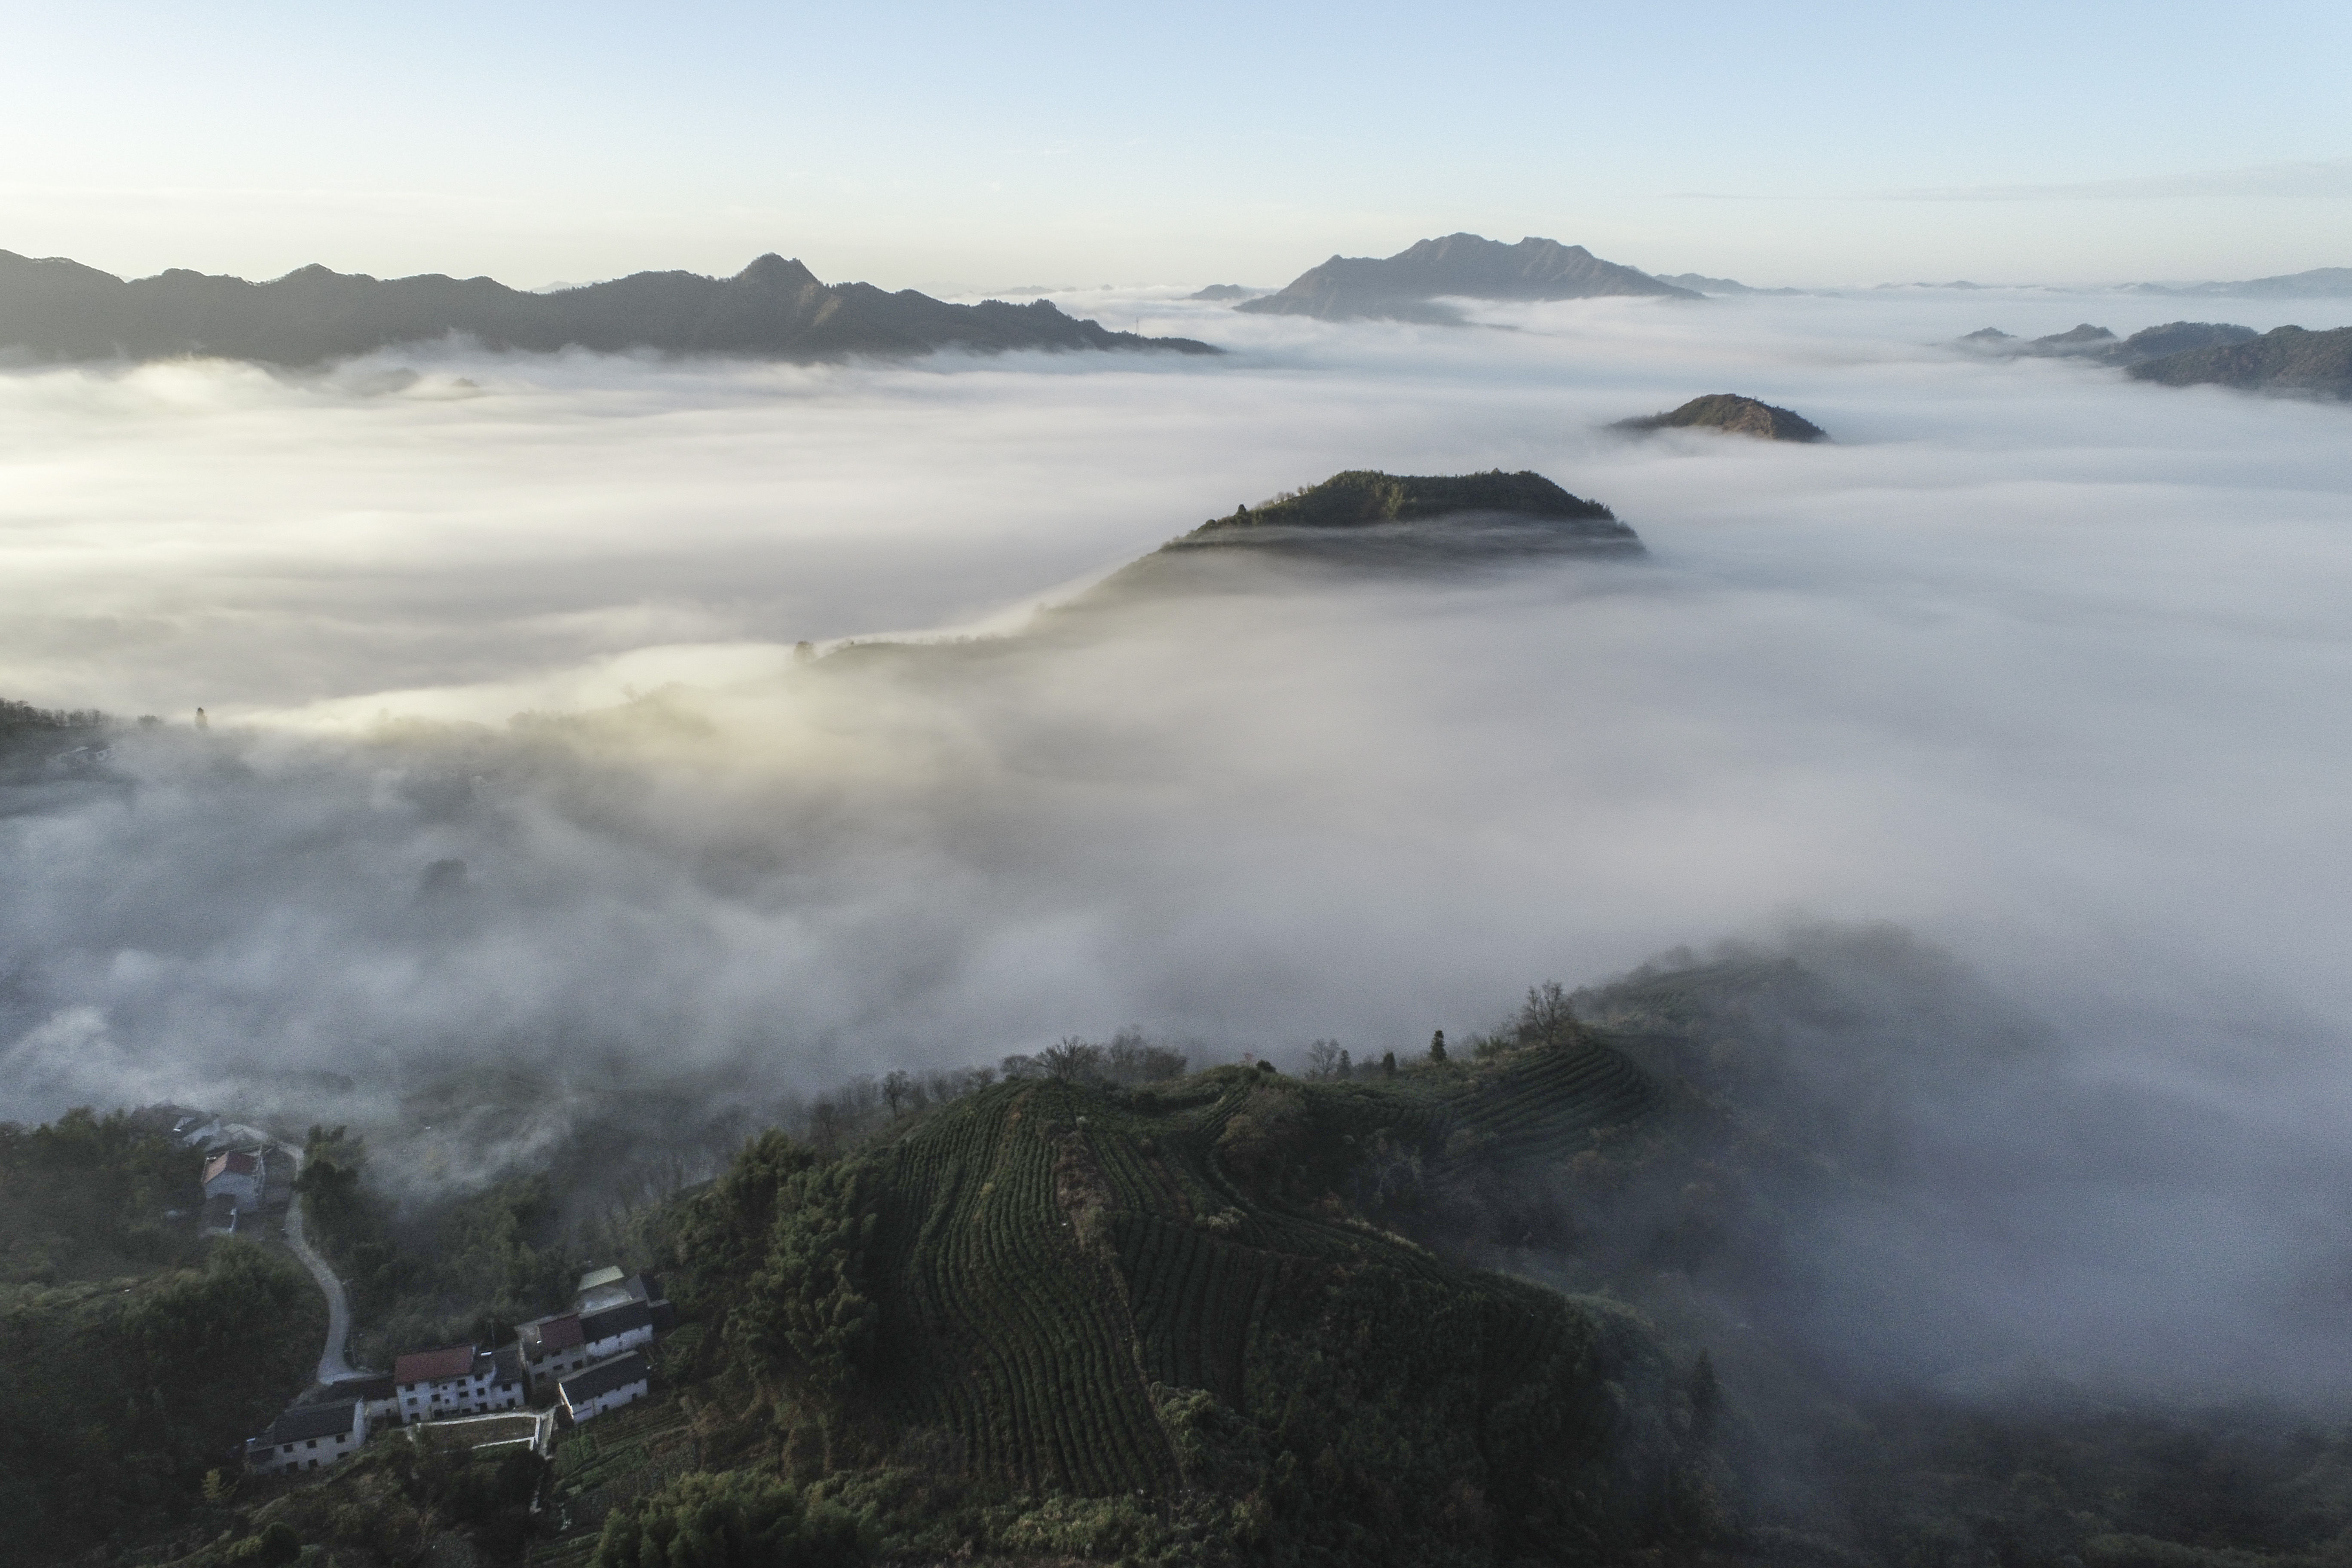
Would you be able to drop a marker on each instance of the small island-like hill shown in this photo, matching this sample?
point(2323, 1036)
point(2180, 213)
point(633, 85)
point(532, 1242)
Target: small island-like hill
point(1732, 414)
point(1408, 285)
point(1361, 497)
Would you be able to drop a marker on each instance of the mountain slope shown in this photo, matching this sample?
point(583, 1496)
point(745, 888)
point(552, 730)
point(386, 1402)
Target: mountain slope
point(1733, 415)
point(1173, 1293)
point(2286, 358)
point(1401, 286)
point(57, 310)
point(1366, 520)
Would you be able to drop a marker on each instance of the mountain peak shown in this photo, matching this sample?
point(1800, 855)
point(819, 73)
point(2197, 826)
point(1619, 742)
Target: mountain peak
point(774, 271)
point(1466, 266)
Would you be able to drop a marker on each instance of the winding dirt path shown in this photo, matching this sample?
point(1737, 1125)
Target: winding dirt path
point(333, 1367)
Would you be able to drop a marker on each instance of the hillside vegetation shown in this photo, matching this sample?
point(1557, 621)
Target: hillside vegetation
point(1558, 1294)
point(1362, 497)
point(1181, 1301)
point(2285, 358)
point(1733, 415)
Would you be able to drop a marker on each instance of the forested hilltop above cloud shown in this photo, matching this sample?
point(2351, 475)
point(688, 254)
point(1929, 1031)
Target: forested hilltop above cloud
point(57, 308)
point(2289, 360)
point(1466, 266)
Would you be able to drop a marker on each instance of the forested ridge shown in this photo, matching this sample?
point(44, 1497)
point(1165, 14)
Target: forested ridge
point(1541, 1295)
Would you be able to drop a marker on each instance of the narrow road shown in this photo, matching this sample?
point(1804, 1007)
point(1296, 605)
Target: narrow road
point(333, 1367)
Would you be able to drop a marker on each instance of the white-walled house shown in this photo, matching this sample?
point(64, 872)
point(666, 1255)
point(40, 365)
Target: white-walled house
point(552, 1349)
point(607, 1333)
point(309, 1437)
point(459, 1380)
point(607, 1386)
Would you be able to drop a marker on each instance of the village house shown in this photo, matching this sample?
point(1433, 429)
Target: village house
point(614, 1312)
point(239, 1176)
point(552, 1349)
point(607, 1386)
point(377, 1393)
point(459, 1380)
point(309, 1437)
point(616, 1329)
point(609, 1286)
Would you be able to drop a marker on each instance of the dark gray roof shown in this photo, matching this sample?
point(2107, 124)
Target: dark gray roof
point(617, 1320)
point(377, 1387)
point(313, 1421)
point(604, 1377)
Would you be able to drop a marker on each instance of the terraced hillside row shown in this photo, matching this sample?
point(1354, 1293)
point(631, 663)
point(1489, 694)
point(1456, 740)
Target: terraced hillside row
point(1003, 1326)
point(1544, 1105)
point(1077, 1289)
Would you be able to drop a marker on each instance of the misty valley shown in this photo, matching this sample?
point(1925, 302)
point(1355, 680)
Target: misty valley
point(701, 922)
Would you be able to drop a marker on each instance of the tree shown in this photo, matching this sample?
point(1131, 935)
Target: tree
point(1388, 1064)
point(1132, 1059)
point(1323, 1058)
point(1437, 1046)
point(896, 1088)
point(1546, 1019)
point(1070, 1059)
point(1347, 1068)
point(272, 1548)
point(806, 1320)
point(735, 1519)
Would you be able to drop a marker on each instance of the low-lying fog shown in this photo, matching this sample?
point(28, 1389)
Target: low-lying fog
point(2043, 665)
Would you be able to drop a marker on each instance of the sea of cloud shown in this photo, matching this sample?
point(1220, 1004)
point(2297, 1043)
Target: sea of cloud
point(2036, 662)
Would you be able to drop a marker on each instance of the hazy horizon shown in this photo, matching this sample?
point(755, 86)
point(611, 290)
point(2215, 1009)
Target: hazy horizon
point(925, 146)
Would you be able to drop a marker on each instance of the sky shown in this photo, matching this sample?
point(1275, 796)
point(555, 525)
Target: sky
point(959, 149)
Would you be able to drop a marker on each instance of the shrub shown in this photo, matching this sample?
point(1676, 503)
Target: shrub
point(736, 1518)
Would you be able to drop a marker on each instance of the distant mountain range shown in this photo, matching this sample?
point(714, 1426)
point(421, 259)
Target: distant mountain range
point(2189, 353)
point(57, 310)
point(1699, 283)
point(2087, 342)
point(2319, 283)
point(1405, 287)
point(2287, 359)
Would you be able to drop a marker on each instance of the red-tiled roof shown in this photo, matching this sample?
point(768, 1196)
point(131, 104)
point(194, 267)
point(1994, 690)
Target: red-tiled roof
point(431, 1367)
point(235, 1163)
point(559, 1334)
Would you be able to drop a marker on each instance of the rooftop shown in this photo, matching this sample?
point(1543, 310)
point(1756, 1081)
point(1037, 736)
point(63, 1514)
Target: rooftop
point(620, 1319)
point(604, 1377)
point(431, 1367)
point(232, 1163)
point(559, 1334)
point(306, 1421)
